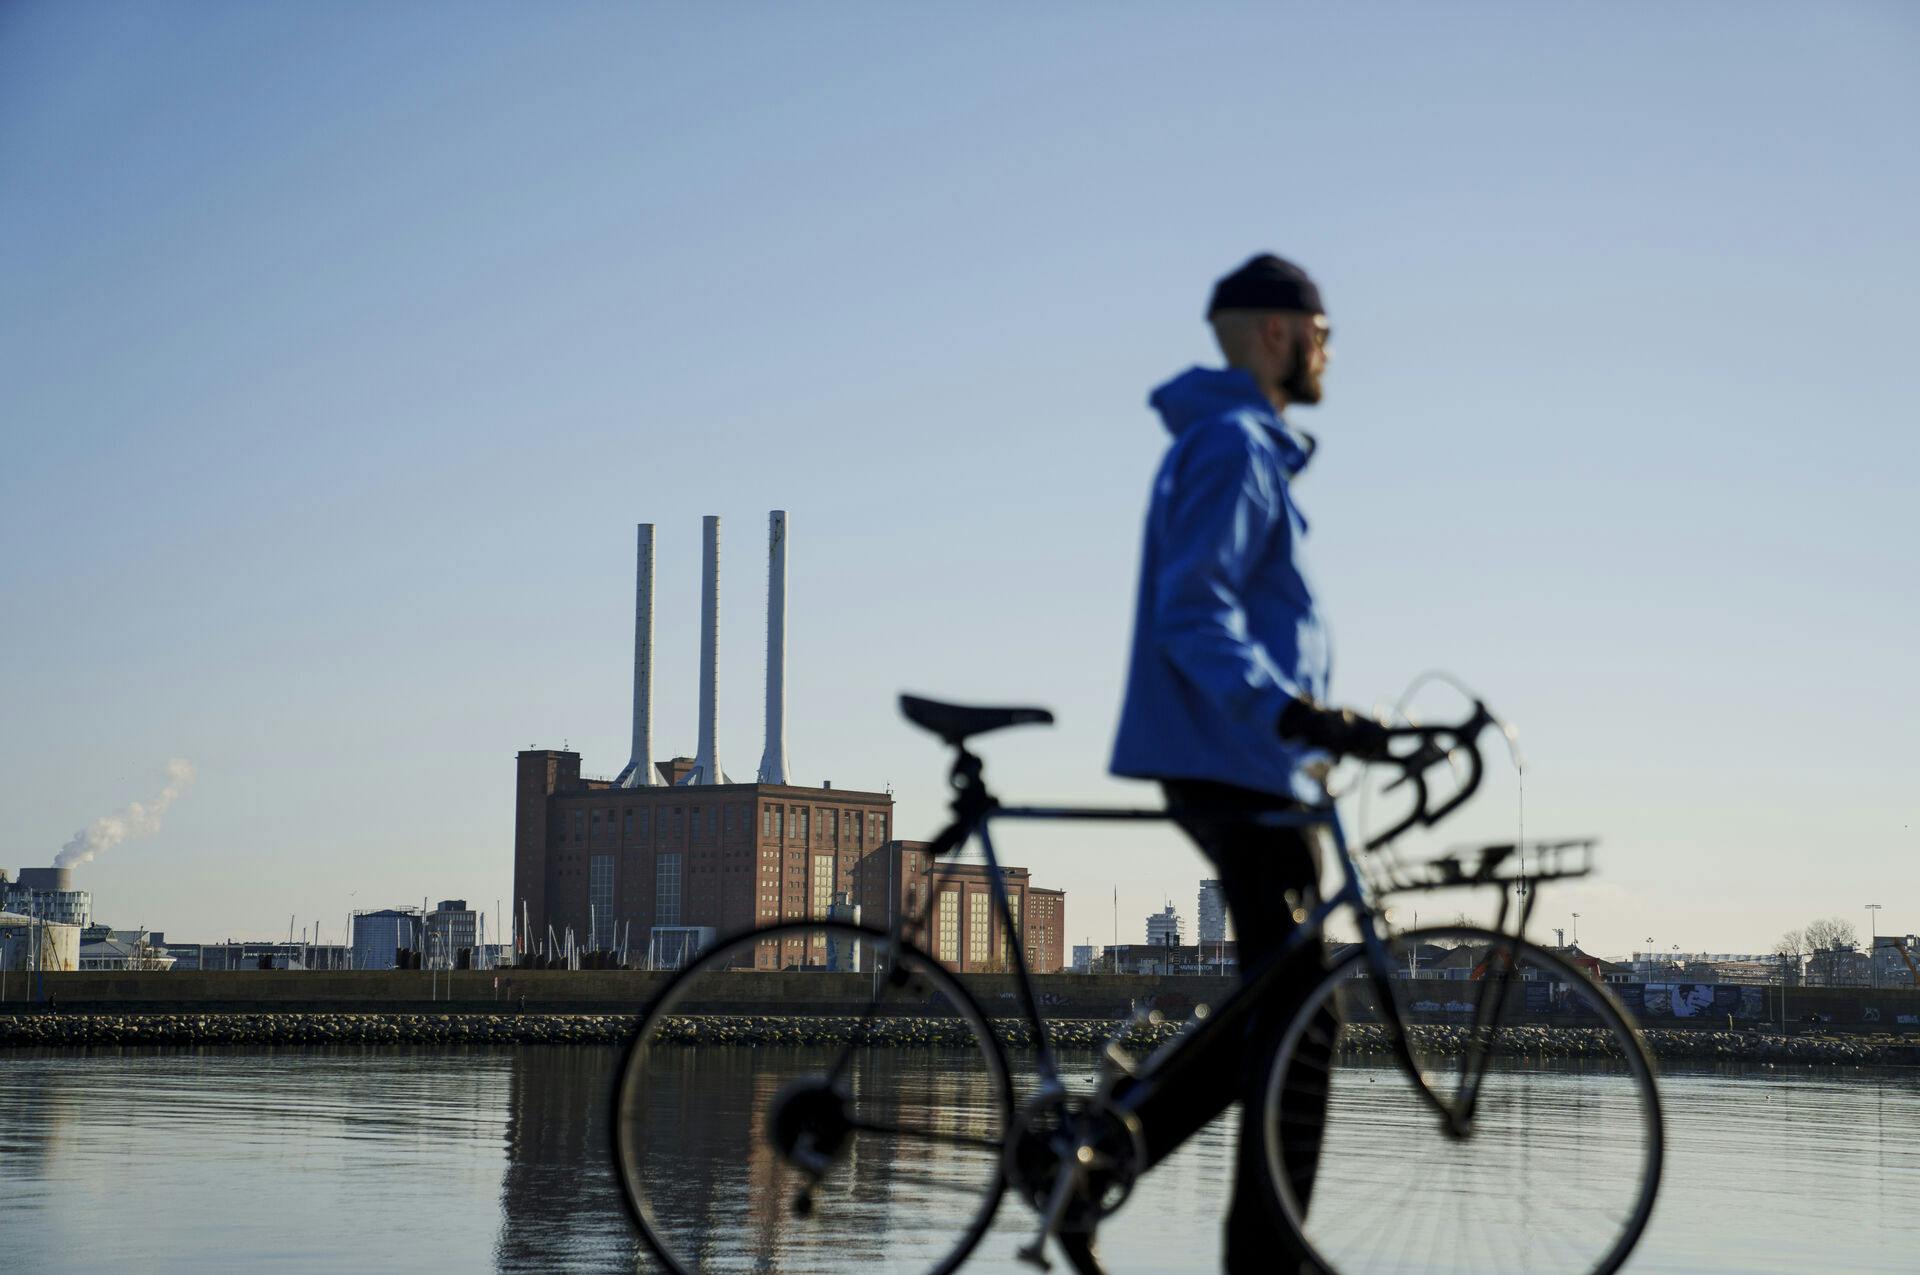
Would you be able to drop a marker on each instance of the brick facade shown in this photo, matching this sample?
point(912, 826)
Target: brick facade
point(729, 856)
point(738, 856)
point(958, 922)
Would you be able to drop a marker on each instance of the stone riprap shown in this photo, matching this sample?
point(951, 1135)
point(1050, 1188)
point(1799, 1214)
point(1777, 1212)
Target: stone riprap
point(1545, 1043)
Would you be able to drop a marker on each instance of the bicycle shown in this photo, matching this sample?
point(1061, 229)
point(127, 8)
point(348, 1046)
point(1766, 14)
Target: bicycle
point(1533, 1089)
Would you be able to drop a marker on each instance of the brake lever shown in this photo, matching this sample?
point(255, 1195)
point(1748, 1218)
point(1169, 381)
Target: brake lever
point(1419, 761)
point(1414, 765)
point(1469, 740)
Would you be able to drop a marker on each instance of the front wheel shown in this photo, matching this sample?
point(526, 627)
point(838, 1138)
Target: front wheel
point(1538, 1149)
point(812, 1097)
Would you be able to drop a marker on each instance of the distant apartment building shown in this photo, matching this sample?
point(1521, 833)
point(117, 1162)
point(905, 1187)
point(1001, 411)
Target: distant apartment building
point(1212, 913)
point(452, 935)
point(1044, 929)
point(1163, 928)
point(1086, 958)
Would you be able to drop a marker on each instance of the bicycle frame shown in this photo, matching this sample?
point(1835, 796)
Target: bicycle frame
point(976, 810)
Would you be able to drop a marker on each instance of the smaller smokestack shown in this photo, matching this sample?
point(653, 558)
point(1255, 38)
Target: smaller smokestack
point(46, 878)
point(639, 771)
point(773, 761)
point(706, 759)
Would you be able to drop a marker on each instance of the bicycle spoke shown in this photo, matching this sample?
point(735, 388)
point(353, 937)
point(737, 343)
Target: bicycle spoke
point(1552, 1176)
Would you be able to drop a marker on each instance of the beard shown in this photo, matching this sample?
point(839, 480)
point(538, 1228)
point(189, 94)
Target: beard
point(1302, 384)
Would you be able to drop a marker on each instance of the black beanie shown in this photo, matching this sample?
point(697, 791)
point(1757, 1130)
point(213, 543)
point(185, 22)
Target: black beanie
point(1266, 283)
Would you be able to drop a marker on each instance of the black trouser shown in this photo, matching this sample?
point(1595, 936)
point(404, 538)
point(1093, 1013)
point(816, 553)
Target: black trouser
point(1265, 873)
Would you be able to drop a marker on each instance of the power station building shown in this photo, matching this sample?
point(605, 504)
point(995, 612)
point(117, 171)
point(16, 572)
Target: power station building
point(47, 893)
point(668, 854)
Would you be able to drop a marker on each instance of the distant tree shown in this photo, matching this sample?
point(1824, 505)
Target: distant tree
point(1453, 940)
point(1791, 948)
point(1831, 932)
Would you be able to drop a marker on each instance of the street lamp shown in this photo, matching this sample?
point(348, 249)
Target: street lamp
point(1576, 929)
point(1873, 941)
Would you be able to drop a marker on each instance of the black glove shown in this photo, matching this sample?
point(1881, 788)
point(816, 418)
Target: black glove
point(1340, 731)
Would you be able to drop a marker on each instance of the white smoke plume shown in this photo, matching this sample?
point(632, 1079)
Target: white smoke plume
point(136, 819)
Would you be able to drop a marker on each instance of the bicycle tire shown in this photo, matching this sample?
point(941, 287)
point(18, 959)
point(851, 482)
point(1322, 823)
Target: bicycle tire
point(635, 1078)
point(1490, 1179)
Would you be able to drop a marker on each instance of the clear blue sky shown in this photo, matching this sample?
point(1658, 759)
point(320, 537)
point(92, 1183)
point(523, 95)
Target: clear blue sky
point(341, 346)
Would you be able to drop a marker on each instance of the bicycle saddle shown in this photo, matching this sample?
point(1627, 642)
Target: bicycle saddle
point(955, 722)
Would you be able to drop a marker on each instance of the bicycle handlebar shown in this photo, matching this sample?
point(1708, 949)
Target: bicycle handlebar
point(1435, 744)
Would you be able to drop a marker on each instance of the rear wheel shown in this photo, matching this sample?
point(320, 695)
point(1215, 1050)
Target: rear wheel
point(795, 1092)
point(1544, 1154)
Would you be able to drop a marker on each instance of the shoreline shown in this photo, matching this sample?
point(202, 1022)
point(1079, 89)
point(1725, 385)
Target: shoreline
point(1547, 1043)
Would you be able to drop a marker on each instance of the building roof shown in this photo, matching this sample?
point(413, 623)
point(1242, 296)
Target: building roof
point(108, 947)
point(12, 919)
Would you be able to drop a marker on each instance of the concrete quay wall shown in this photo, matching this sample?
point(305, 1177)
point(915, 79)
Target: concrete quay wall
point(1894, 1011)
point(561, 991)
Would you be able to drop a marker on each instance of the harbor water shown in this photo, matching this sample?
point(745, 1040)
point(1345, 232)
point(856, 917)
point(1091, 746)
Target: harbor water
point(372, 1158)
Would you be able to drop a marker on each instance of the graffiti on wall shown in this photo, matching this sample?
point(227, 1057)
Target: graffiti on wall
point(1702, 1000)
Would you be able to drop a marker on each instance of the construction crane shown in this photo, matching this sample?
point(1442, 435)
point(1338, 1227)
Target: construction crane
point(1908, 958)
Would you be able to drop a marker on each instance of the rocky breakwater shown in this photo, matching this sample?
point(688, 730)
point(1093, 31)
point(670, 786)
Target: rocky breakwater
point(81, 1029)
point(1557, 1044)
point(68, 1029)
point(1546, 1044)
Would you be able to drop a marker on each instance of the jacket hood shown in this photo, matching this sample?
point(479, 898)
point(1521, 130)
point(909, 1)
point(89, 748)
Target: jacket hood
point(1203, 394)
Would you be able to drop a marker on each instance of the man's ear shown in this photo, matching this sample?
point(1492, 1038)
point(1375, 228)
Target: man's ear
point(1276, 333)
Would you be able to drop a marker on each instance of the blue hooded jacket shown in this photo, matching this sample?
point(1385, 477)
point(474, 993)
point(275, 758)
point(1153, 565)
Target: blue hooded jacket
point(1225, 633)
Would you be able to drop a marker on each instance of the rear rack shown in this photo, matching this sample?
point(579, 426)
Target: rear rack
point(1518, 864)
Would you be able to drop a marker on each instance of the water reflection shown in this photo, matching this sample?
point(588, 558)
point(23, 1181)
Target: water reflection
point(389, 1159)
point(559, 1206)
point(926, 1151)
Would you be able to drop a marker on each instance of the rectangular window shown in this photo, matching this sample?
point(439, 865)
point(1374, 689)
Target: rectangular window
point(579, 824)
point(713, 821)
point(779, 822)
point(1013, 905)
point(666, 890)
point(766, 821)
point(806, 823)
point(949, 926)
point(600, 901)
point(679, 823)
point(977, 928)
point(643, 822)
point(627, 827)
point(822, 884)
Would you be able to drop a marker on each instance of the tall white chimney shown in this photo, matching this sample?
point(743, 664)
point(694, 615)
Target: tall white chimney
point(706, 761)
point(639, 771)
point(773, 762)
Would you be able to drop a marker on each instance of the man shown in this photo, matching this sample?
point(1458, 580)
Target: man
point(1223, 705)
